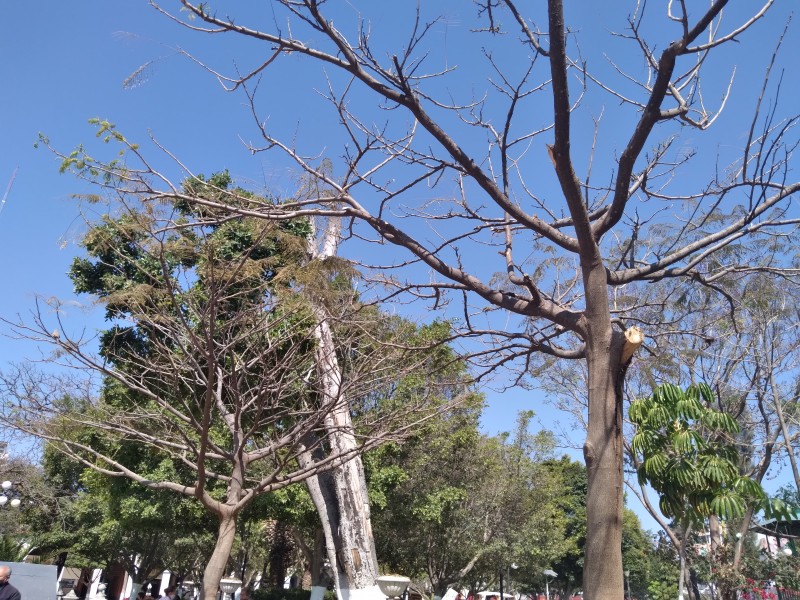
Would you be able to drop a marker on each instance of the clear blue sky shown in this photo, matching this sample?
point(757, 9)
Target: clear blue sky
point(63, 63)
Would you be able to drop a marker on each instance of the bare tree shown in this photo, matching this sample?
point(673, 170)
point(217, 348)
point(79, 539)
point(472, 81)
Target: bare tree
point(748, 353)
point(446, 174)
point(211, 366)
point(740, 337)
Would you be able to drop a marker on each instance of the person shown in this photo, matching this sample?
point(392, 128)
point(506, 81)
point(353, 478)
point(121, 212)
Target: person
point(169, 593)
point(7, 591)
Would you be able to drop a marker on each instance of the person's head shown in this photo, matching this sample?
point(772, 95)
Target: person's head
point(244, 594)
point(5, 574)
point(459, 596)
point(170, 591)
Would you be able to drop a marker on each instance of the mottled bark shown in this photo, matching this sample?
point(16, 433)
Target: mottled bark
point(355, 561)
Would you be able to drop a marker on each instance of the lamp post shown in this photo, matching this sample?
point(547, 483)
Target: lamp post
point(502, 593)
point(392, 586)
point(628, 582)
point(549, 574)
point(7, 491)
point(229, 585)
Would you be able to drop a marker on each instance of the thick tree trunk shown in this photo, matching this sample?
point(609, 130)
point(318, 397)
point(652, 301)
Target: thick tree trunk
point(602, 572)
point(343, 510)
point(682, 555)
point(318, 578)
point(356, 561)
point(320, 488)
point(280, 554)
point(351, 547)
point(215, 568)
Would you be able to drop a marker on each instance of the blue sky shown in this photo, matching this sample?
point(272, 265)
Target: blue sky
point(64, 63)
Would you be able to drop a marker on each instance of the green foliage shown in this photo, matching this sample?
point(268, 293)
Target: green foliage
point(661, 579)
point(687, 452)
point(572, 504)
point(120, 519)
point(450, 495)
point(663, 590)
point(12, 549)
point(135, 269)
point(637, 550)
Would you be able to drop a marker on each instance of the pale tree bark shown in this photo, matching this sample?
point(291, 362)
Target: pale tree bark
point(341, 495)
point(470, 170)
point(323, 495)
point(788, 439)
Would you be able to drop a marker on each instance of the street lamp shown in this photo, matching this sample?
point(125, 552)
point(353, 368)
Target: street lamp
point(511, 566)
point(229, 585)
point(7, 491)
point(549, 575)
point(628, 582)
point(392, 586)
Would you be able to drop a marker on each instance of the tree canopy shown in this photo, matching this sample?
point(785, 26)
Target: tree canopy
point(572, 157)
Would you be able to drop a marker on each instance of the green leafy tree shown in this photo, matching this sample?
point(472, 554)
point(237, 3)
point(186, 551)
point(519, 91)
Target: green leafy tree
point(637, 550)
point(662, 570)
point(12, 549)
point(142, 530)
point(688, 453)
point(572, 503)
point(208, 364)
point(456, 507)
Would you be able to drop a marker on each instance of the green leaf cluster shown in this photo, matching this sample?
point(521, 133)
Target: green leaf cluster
point(686, 451)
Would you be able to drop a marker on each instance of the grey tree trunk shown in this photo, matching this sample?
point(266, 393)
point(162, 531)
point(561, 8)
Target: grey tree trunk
point(603, 455)
point(602, 573)
point(321, 489)
point(215, 568)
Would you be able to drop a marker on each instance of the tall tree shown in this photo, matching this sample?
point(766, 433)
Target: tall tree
point(423, 149)
point(340, 494)
point(747, 352)
point(456, 507)
point(210, 360)
point(122, 523)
